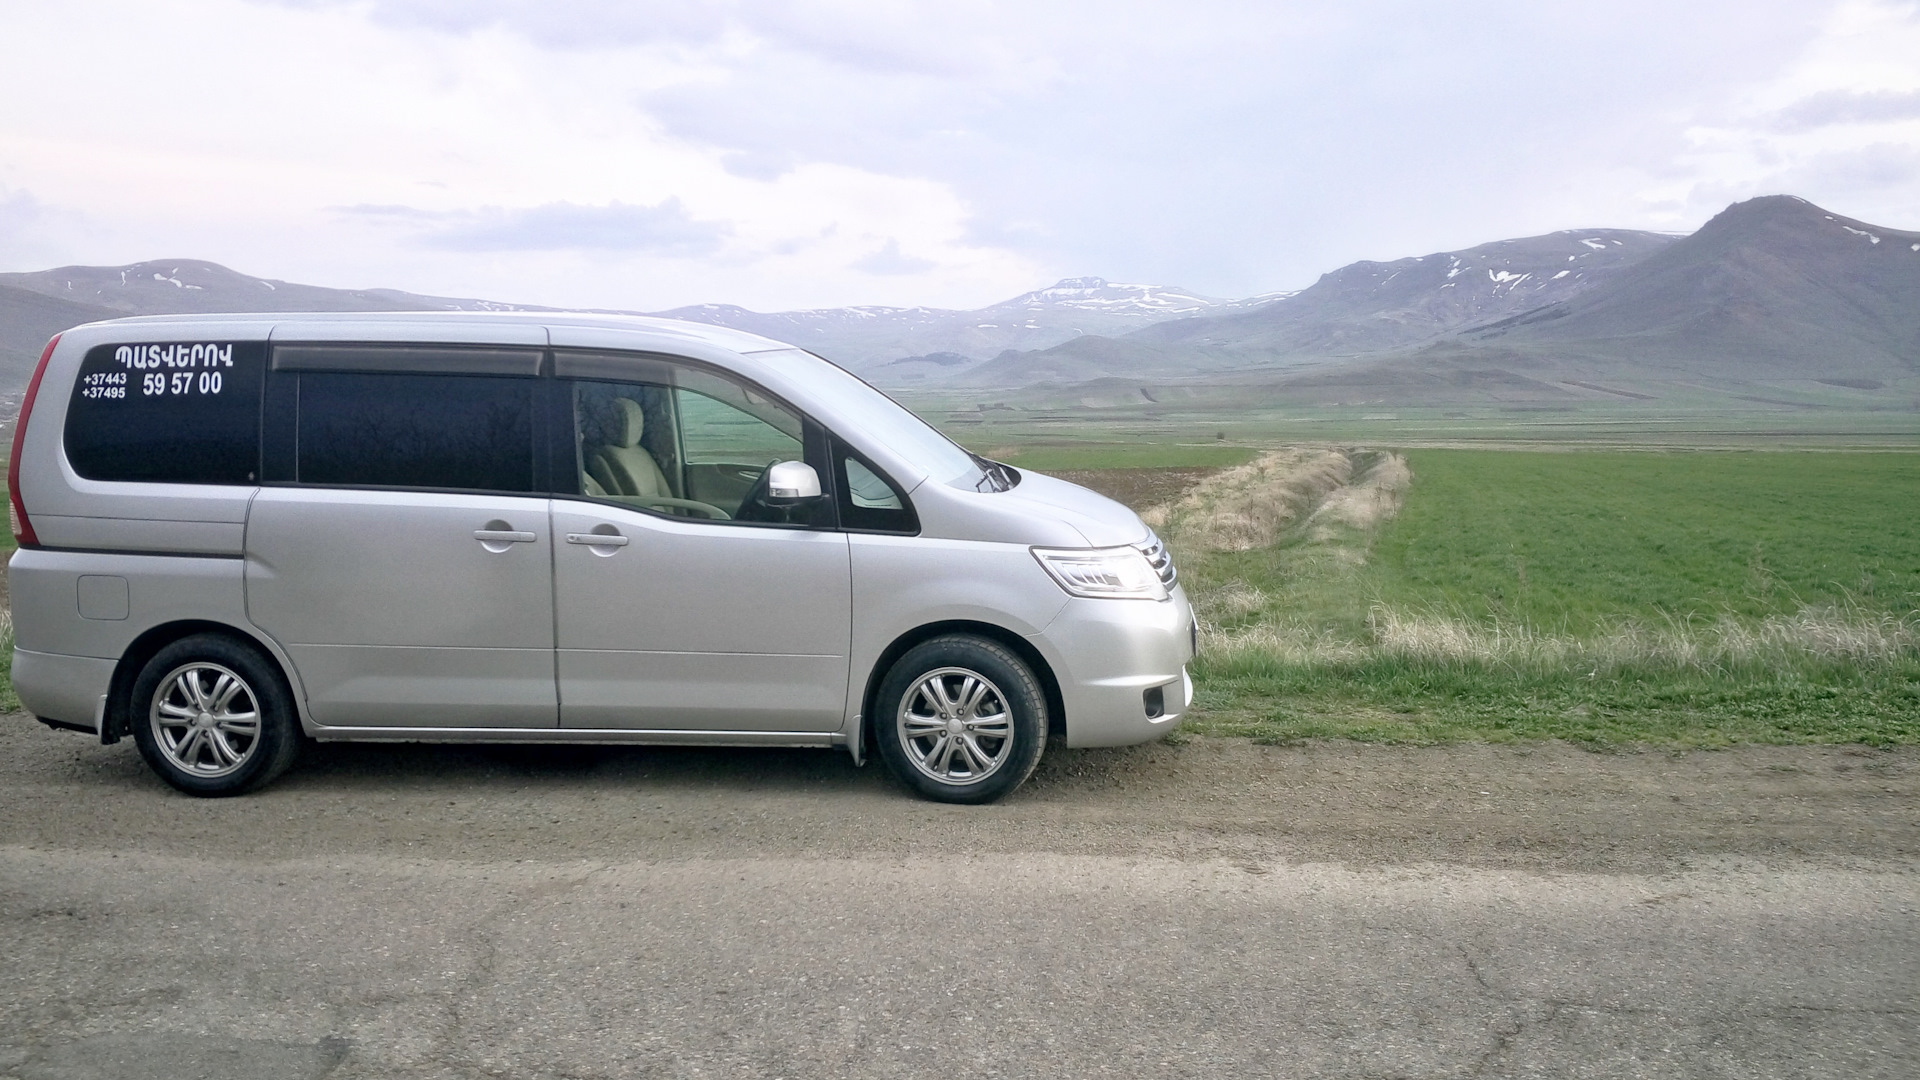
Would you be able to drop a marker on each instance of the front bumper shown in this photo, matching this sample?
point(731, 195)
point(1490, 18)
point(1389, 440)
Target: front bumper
point(1108, 654)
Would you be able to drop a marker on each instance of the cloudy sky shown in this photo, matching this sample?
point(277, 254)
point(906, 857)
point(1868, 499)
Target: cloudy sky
point(619, 153)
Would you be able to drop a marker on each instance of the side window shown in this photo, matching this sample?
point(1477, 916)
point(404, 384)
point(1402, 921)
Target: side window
point(692, 444)
point(719, 432)
point(868, 501)
point(461, 432)
point(867, 490)
point(174, 413)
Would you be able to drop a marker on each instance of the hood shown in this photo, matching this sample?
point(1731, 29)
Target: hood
point(1104, 522)
point(1041, 510)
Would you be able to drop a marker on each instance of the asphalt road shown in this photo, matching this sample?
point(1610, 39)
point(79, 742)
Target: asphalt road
point(1206, 909)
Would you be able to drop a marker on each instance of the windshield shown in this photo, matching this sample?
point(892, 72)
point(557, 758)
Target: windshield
point(891, 424)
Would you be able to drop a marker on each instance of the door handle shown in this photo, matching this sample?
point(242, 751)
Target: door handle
point(598, 539)
point(502, 536)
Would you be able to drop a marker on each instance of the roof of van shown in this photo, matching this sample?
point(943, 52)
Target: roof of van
point(642, 325)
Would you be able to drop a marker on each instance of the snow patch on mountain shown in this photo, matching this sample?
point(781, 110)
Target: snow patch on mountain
point(1151, 302)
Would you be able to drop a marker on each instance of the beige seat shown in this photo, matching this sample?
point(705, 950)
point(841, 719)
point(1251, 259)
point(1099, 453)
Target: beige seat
point(622, 466)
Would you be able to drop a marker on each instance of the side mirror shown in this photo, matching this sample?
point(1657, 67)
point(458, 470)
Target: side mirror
point(790, 482)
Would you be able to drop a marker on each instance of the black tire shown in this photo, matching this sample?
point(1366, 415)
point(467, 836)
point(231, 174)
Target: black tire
point(188, 716)
point(967, 750)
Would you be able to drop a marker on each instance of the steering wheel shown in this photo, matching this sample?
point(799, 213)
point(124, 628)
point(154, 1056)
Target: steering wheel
point(754, 506)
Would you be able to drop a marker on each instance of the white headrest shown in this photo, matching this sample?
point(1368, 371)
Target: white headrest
point(630, 422)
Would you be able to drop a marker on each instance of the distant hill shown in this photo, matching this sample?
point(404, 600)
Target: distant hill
point(1773, 287)
point(187, 286)
point(1775, 301)
point(1361, 309)
point(906, 346)
point(27, 321)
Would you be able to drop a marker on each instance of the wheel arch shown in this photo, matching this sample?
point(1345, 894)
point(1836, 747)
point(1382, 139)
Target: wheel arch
point(999, 635)
point(117, 721)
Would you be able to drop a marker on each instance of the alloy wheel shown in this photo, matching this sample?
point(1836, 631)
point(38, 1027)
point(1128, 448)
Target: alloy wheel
point(205, 719)
point(955, 726)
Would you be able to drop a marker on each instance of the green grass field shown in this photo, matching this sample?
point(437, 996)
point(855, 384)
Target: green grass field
point(1255, 416)
point(1606, 597)
point(1569, 540)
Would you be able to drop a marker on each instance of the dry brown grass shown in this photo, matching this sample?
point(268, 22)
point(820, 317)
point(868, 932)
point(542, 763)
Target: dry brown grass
point(1253, 505)
point(1329, 491)
point(1372, 499)
point(1233, 600)
point(1323, 504)
point(1828, 635)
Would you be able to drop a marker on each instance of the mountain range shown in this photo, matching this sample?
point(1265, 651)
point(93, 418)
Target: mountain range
point(1772, 290)
point(1360, 309)
point(896, 346)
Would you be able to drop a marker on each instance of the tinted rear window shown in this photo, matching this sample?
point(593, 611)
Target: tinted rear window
point(177, 412)
point(463, 432)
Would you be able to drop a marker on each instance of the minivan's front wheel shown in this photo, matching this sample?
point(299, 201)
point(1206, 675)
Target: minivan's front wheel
point(961, 719)
point(213, 717)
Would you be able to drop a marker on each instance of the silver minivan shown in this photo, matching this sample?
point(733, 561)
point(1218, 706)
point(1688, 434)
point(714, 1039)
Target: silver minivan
point(239, 530)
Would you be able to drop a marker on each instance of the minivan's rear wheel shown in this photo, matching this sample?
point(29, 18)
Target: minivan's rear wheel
point(961, 719)
point(213, 717)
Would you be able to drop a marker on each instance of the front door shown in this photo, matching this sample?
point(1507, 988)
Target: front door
point(683, 600)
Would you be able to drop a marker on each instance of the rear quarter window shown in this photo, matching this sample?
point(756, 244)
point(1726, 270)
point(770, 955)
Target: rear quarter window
point(170, 412)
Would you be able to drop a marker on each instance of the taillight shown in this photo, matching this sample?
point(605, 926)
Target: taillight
point(23, 528)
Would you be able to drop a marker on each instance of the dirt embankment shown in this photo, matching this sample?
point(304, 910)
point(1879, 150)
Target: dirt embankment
point(1327, 491)
point(1323, 489)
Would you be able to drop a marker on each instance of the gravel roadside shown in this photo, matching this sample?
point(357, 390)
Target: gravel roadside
point(1541, 806)
point(1202, 909)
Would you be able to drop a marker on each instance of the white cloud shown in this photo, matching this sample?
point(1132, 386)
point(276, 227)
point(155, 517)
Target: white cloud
point(774, 154)
point(27, 227)
point(562, 226)
point(888, 261)
point(1839, 124)
point(236, 132)
point(1826, 108)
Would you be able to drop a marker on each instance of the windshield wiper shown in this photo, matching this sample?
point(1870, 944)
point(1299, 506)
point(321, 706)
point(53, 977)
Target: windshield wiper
point(993, 475)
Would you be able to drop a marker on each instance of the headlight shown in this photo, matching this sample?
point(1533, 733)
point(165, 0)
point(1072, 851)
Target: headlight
point(1103, 572)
